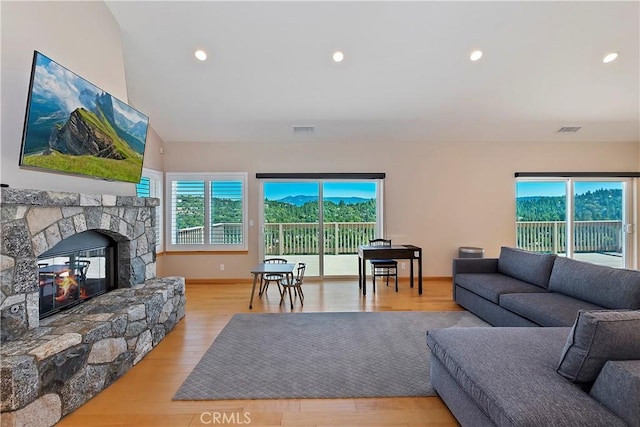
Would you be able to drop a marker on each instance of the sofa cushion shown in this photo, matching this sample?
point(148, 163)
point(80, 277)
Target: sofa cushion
point(598, 336)
point(618, 389)
point(489, 311)
point(608, 287)
point(527, 266)
point(509, 374)
point(491, 286)
point(546, 308)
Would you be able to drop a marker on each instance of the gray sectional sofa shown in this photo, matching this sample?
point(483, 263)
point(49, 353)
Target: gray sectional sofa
point(523, 288)
point(581, 369)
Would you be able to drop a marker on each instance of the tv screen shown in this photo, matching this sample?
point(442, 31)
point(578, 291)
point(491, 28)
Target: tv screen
point(74, 127)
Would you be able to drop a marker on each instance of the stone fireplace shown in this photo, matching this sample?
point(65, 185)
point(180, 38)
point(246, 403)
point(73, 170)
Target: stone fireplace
point(34, 222)
point(89, 263)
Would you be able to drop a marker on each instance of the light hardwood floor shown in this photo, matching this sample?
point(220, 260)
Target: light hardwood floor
point(142, 397)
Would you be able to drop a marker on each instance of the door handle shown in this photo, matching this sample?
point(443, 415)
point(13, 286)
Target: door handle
point(628, 228)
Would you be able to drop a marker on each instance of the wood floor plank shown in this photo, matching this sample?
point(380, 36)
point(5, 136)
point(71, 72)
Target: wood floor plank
point(142, 397)
point(327, 405)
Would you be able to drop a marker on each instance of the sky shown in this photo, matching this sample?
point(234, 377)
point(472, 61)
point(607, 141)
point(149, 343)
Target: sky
point(53, 80)
point(558, 188)
point(280, 190)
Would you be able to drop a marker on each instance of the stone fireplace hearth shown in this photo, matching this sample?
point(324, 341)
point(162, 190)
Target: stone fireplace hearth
point(51, 366)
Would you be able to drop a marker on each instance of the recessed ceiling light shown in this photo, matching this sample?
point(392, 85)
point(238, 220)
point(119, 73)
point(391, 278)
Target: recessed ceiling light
point(475, 55)
point(338, 56)
point(610, 57)
point(201, 54)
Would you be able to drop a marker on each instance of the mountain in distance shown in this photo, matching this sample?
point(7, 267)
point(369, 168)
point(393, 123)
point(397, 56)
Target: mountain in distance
point(85, 134)
point(44, 114)
point(48, 116)
point(87, 99)
point(300, 200)
point(535, 197)
point(92, 132)
point(136, 129)
point(133, 133)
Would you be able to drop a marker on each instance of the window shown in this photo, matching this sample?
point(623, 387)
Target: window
point(150, 185)
point(207, 211)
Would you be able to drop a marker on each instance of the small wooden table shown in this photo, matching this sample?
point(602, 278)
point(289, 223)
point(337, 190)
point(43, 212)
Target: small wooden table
point(269, 268)
point(409, 252)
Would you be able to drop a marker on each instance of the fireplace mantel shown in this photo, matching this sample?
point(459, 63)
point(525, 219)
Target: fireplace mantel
point(34, 221)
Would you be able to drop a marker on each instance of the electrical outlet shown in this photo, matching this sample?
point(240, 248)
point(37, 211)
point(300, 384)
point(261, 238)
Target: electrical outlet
point(402, 265)
point(221, 267)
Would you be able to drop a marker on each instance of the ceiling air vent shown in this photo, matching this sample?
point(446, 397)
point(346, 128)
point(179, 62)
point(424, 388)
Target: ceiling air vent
point(304, 129)
point(568, 129)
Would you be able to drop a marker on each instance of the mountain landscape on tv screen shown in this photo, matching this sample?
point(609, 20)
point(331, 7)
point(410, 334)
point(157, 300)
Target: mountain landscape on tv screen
point(74, 127)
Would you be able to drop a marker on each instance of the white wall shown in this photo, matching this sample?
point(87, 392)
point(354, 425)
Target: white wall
point(438, 195)
point(85, 38)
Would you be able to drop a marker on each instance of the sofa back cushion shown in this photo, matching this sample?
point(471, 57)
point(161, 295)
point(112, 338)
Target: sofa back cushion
point(527, 266)
point(596, 337)
point(609, 287)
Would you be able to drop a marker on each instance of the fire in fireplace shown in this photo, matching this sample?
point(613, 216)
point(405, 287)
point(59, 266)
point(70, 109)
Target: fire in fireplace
point(76, 269)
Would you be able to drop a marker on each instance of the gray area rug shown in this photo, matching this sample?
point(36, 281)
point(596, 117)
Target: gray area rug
point(320, 355)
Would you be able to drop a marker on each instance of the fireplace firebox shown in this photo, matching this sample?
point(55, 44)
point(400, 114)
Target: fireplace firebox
point(75, 270)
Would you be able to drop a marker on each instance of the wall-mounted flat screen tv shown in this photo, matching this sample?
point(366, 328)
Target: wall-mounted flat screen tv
point(74, 127)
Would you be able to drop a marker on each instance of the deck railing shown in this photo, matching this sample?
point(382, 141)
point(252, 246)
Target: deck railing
point(190, 236)
point(302, 238)
point(221, 233)
point(345, 237)
point(290, 238)
point(550, 236)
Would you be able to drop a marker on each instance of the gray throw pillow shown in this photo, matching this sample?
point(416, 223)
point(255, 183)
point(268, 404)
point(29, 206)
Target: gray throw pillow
point(598, 336)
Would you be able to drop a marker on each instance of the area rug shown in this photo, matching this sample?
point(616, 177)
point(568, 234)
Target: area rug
point(320, 355)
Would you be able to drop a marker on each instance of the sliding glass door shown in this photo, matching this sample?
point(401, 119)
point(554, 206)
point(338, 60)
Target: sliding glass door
point(541, 212)
point(320, 222)
point(350, 212)
point(291, 223)
point(598, 222)
point(583, 219)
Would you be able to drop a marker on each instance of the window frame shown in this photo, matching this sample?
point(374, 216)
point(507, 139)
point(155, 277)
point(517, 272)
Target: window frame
point(629, 209)
point(156, 190)
point(319, 179)
point(207, 178)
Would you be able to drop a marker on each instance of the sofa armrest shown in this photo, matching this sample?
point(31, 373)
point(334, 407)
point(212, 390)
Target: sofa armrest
point(617, 387)
point(474, 265)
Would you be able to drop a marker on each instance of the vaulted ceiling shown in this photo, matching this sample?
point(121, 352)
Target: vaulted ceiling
point(406, 74)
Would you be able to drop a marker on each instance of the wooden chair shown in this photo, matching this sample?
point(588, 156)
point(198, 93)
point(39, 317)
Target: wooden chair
point(383, 267)
point(296, 285)
point(268, 278)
